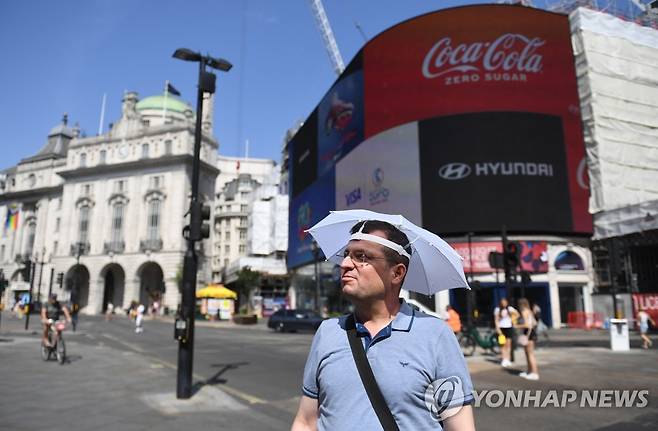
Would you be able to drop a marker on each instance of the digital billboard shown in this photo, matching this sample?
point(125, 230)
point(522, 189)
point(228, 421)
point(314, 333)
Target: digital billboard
point(463, 120)
point(382, 174)
point(308, 208)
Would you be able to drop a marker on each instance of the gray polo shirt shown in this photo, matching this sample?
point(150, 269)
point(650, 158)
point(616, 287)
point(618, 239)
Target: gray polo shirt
point(406, 357)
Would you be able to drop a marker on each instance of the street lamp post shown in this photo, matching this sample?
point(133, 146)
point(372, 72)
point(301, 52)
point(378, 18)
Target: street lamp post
point(42, 263)
point(194, 232)
point(316, 255)
point(30, 272)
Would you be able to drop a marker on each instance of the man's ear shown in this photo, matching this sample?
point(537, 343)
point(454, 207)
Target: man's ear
point(399, 272)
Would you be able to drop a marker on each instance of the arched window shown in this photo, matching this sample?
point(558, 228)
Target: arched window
point(145, 151)
point(569, 261)
point(153, 222)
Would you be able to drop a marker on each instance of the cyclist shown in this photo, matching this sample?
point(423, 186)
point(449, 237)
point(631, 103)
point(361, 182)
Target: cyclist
point(50, 312)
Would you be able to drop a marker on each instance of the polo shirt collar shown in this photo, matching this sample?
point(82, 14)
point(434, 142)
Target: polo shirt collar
point(404, 319)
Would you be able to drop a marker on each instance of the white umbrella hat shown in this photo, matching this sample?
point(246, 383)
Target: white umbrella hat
point(434, 265)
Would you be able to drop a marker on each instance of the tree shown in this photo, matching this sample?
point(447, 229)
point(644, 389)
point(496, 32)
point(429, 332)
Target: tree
point(246, 282)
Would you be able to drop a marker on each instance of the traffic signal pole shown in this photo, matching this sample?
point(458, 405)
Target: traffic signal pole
point(186, 344)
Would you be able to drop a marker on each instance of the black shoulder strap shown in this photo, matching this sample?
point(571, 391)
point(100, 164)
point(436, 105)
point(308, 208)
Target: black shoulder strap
point(368, 378)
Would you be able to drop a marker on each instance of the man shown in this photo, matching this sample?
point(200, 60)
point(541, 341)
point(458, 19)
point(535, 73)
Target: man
point(409, 352)
point(51, 311)
point(453, 320)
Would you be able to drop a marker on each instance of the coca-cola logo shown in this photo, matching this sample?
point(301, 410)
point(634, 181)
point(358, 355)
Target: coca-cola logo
point(510, 52)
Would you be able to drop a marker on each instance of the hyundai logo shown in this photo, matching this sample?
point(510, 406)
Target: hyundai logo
point(454, 171)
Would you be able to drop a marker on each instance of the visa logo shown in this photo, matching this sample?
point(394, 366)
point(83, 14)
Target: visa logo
point(353, 197)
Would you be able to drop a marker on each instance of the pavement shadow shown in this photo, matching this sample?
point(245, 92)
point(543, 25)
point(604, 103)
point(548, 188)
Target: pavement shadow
point(72, 358)
point(216, 378)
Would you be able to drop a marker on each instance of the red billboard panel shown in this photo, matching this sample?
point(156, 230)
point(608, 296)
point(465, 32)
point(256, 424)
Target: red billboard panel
point(485, 59)
point(533, 256)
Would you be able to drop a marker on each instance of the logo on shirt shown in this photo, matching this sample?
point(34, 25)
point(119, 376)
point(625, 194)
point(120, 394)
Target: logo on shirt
point(444, 397)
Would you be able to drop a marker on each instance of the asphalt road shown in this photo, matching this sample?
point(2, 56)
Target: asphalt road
point(248, 378)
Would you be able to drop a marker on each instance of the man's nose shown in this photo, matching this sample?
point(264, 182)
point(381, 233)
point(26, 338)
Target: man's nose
point(347, 263)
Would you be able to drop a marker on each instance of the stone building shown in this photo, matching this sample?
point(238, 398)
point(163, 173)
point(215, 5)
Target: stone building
point(107, 211)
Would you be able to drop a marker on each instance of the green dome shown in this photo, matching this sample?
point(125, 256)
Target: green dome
point(158, 102)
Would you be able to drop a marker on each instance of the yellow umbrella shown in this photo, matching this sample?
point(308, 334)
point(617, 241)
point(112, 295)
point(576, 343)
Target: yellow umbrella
point(216, 291)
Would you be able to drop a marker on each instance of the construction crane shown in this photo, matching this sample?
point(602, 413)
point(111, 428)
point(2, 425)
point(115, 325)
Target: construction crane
point(322, 22)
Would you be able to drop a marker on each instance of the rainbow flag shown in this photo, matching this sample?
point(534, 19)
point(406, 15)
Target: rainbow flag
point(12, 218)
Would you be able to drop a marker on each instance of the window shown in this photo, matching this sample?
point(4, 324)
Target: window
point(225, 262)
point(241, 248)
point(55, 246)
point(243, 208)
point(120, 186)
point(57, 223)
point(167, 147)
point(244, 195)
point(103, 155)
point(145, 151)
point(31, 234)
point(227, 249)
point(84, 225)
point(32, 180)
point(243, 234)
point(59, 203)
point(146, 122)
point(117, 222)
point(83, 160)
point(2, 253)
point(153, 220)
point(86, 189)
point(243, 221)
point(155, 182)
point(227, 235)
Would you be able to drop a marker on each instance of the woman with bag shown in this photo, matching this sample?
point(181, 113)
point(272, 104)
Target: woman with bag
point(527, 325)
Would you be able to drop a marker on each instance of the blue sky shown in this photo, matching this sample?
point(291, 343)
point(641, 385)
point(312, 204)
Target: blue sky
point(62, 56)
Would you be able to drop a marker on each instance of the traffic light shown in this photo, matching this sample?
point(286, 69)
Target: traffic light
point(60, 279)
point(513, 255)
point(511, 258)
point(199, 214)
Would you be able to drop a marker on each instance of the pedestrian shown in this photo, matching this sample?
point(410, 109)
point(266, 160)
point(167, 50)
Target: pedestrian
point(408, 354)
point(504, 315)
point(109, 311)
point(139, 318)
point(453, 320)
point(527, 324)
point(542, 329)
point(644, 318)
point(156, 308)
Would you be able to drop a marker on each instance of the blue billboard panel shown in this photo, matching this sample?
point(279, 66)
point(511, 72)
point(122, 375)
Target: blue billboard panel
point(311, 206)
point(340, 120)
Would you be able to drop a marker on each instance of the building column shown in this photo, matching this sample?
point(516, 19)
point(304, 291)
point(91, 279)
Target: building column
point(554, 296)
point(131, 292)
point(172, 295)
point(95, 300)
point(442, 299)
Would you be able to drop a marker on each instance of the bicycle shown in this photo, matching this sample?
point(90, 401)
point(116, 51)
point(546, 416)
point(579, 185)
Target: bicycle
point(470, 339)
point(56, 341)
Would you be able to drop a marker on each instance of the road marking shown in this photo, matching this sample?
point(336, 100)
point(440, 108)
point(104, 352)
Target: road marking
point(235, 392)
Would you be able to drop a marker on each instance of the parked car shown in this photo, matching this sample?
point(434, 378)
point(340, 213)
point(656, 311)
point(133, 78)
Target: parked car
point(294, 320)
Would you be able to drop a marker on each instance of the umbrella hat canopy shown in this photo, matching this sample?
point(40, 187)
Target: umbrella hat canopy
point(434, 265)
point(216, 291)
